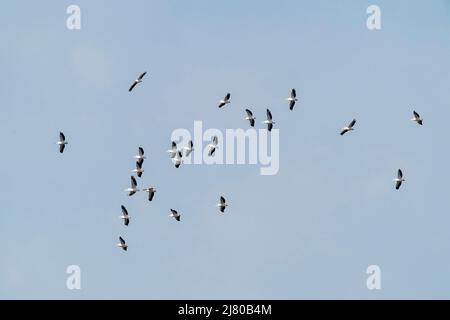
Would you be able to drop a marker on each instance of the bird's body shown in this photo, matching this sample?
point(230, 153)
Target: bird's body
point(61, 142)
point(213, 146)
point(173, 150)
point(292, 99)
point(348, 128)
point(137, 81)
point(189, 148)
point(122, 244)
point(398, 181)
point(151, 192)
point(225, 100)
point(175, 214)
point(269, 122)
point(222, 204)
point(138, 170)
point(125, 216)
point(250, 117)
point(416, 118)
point(133, 188)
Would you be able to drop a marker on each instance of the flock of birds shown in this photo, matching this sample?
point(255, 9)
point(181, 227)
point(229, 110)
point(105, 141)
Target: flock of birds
point(177, 156)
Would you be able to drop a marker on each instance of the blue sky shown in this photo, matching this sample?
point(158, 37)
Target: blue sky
point(308, 232)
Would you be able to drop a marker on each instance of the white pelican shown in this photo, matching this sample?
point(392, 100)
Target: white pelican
point(222, 204)
point(250, 117)
point(125, 217)
point(348, 128)
point(173, 150)
point(138, 80)
point(398, 181)
point(133, 189)
point(292, 99)
point(417, 118)
point(175, 214)
point(151, 192)
point(62, 142)
point(189, 148)
point(140, 156)
point(213, 146)
point(269, 120)
point(122, 244)
point(225, 100)
point(138, 169)
point(177, 160)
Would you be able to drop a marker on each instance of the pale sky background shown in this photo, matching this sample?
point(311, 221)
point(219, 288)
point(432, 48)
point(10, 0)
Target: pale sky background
point(308, 232)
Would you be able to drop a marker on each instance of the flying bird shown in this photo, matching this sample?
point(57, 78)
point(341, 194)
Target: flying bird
point(348, 128)
point(62, 142)
point(213, 146)
point(398, 181)
point(140, 156)
point(133, 189)
point(151, 192)
point(417, 118)
point(292, 99)
point(269, 120)
point(189, 148)
point(177, 160)
point(173, 150)
point(175, 214)
point(250, 117)
point(138, 169)
point(225, 100)
point(122, 244)
point(222, 204)
point(125, 217)
point(138, 80)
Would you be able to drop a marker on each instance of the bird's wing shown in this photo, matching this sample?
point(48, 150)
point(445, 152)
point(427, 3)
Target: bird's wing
point(416, 115)
point(126, 221)
point(352, 123)
point(142, 75)
point(343, 132)
point(141, 151)
point(124, 210)
point(222, 209)
point(398, 184)
point(121, 240)
point(211, 151)
point(151, 194)
point(291, 104)
point(227, 97)
point(269, 114)
point(252, 122)
point(293, 93)
point(174, 145)
point(62, 137)
point(269, 127)
point(215, 140)
point(61, 148)
point(249, 113)
point(400, 174)
point(133, 182)
point(222, 200)
point(191, 144)
point(174, 212)
point(132, 86)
